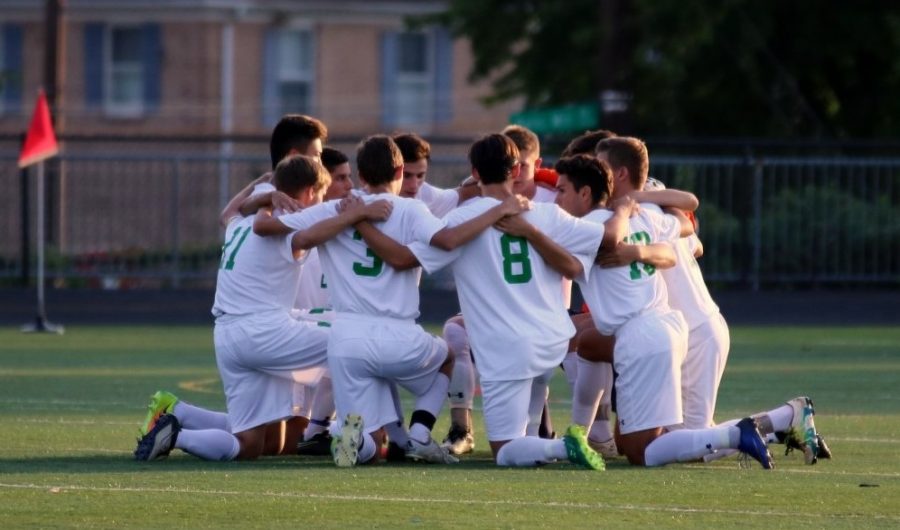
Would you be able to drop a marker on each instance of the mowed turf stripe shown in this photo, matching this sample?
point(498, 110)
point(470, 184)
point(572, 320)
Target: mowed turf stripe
point(455, 501)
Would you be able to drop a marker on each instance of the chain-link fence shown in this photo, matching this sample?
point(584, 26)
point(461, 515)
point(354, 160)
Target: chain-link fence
point(128, 220)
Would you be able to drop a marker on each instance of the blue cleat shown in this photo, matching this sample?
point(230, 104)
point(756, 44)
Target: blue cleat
point(160, 441)
point(752, 443)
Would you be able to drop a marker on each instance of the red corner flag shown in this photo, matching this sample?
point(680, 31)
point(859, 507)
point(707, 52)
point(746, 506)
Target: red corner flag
point(40, 142)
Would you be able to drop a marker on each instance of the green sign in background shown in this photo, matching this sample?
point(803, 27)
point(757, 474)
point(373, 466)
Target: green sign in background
point(569, 118)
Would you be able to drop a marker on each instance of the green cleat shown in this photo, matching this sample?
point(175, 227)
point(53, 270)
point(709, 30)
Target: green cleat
point(578, 450)
point(161, 403)
point(802, 433)
point(345, 446)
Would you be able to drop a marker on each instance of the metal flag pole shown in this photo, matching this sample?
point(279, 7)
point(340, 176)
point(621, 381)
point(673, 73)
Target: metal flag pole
point(41, 324)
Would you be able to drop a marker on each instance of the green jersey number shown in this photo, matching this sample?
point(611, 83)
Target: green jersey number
point(237, 239)
point(367, 270)
point(516, 264)
point(640, 238)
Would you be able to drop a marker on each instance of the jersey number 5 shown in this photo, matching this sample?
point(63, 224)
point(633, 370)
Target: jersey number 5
point(516, 265)
point(239, 237)
point(367, 270)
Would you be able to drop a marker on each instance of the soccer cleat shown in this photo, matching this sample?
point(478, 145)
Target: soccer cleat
point(318, 445)
point(824, 451)
point(161, 402)
point(579, 451)
point(752, 444)
point(607, 449)
point(345, 446)
point(802, 433)
point(160, 441)
point(431, 453)
point(459, 441)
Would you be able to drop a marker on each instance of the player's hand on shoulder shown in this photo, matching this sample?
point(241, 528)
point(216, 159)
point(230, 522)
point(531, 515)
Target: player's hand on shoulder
point(379, 210)
point(626, 205)
point(282, 202)
point(619, 256)
point(515, 205)
point(350, 203)
point(514, 225)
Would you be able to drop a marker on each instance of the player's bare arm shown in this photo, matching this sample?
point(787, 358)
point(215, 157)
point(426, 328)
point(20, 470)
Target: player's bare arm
point(683, 200)
point(233, 208)
point(451, 238)
point(277, 200)
point(351, 211)
point(558, 258)
point(385, 247)
point(660, 255)
point(615, 228)
point(687, 227)
point(468, 189)
point(266, 224)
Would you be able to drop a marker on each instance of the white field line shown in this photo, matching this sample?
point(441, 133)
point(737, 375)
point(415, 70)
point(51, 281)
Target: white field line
point(454, 501)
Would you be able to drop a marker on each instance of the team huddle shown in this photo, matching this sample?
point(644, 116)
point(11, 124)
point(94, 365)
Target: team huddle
point(317, 297)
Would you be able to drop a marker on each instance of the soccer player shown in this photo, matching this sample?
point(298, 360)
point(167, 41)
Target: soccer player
point(514, 306)
point(374, 338)
point(416, 157)
point(459, 439)
point(651, 339)
point(259, 347)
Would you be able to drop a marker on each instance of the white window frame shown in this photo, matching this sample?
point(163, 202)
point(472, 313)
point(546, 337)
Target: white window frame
point(299, 75)
point(110, 107)
point(420, 117)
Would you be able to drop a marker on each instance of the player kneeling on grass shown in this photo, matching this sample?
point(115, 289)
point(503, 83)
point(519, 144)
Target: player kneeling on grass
point(375, 340)
point(259, 346)
point(512, 302)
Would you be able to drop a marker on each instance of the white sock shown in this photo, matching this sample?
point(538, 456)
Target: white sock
point(540, 390)
point(367, 450)
point(601, 431)
point(321, 409)
point(419, 433)
point(593, 381)
point(529, 451)
point(686, 445)
point(209, 444)
point(570, 368)
point(462, 385)
point(781, 417)
point(432, 400)
point(192, 417)
point(397, 434)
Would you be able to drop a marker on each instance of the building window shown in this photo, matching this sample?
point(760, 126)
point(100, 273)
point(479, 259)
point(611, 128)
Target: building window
point(123, 68)
point(10, 68)
point(125, 71)
point(295, 72)
point(417, 78)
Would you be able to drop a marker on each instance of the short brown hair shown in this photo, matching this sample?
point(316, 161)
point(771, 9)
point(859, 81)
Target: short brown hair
point(413, 147)
point(585, 143)
point(297, 172)
point(294, 131)
point(494, 157)
point(586, 170)
point(524, 139)
point(377, 159)
point(628, 152)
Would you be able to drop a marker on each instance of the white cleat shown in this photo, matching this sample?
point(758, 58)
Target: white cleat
point(430, 452)
point(345, 446)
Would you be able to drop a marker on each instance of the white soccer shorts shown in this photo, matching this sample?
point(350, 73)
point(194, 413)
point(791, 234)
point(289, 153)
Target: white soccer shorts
point(701, 372)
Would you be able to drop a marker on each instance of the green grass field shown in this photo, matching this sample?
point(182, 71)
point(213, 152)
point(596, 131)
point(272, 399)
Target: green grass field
point(70, 405)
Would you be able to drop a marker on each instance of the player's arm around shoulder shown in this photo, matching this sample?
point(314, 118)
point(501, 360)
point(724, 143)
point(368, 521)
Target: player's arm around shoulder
point(615, 229)
point(450, 238)
point(557, 257)
point(687, 227)
point(385, 247)
point(683, 200)
point(660, 255)
point(350, 211)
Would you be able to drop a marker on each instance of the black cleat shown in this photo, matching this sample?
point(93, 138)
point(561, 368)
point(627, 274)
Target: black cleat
point(318, 445)
point(160, 441)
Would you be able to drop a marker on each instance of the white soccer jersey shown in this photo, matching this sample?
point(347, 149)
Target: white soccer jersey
point(619, 294)
point(312, 291)
point(542, 194)
point(439, 201)
point(684, 282)
point(255, 273)
point(510, 297)
point(359, 281)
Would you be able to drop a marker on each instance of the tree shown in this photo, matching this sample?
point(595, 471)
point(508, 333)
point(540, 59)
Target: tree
point(822, 68)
